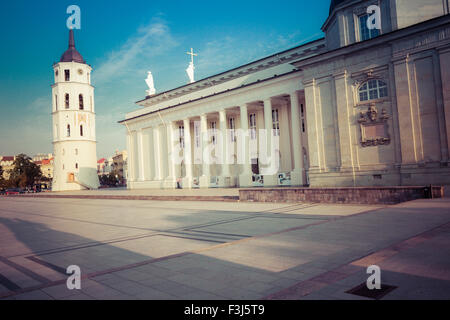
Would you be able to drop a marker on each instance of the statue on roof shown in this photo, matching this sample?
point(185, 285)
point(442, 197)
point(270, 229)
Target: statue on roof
point(150, 83)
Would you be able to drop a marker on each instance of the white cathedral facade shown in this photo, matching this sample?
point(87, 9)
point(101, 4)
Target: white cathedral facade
point(74, 142)
point(359, 107)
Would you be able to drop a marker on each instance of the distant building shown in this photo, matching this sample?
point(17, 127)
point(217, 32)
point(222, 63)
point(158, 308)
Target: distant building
point(120, 165)
point(47, 168)
point(104, 166)
point(42, 156)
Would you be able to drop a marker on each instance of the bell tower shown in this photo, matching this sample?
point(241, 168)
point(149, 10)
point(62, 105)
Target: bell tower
point(73, 111)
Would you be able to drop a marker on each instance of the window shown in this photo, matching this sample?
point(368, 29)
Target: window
point(232, 126)
point(67, 100)
point(67, 75)
point(372, 89)
point(275, 123)
point(253, 126)
point(80, 98)
point(181, 135)
point(56, 102)
point(68, 130)
point(214, 132)
point(81, 130)
point(76, 165)
point(364, 32)
point(76, 152)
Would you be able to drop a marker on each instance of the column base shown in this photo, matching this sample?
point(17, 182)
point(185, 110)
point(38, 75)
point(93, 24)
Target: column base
point(271, 180)
point(186, 183)
point(224, 181)
point(169, 183)
point(297, 178)
point(205, 181)
point(245, 180)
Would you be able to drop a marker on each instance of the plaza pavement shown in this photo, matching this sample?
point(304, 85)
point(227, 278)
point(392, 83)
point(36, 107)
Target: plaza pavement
point(130, 249)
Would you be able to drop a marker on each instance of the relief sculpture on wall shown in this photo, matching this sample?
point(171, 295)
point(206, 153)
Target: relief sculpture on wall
point(374, 129)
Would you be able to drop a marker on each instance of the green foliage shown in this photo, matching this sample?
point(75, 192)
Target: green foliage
point(25, 173)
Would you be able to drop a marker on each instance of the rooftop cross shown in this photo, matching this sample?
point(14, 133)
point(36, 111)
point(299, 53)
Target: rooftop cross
point(192, 54)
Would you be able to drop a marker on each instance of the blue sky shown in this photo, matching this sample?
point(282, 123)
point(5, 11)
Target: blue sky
point(122, 40)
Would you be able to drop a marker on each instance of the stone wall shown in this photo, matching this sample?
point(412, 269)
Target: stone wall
point(364, 195)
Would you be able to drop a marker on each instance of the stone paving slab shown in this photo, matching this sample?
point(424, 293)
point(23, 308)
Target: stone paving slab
point(150, 250)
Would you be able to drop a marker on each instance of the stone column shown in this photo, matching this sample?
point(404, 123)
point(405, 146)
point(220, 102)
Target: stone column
point(140, 144)
point(314, 120)
point(444, 62)
point(270, 180)
point(187, 180)
point(157, 153)
point(130, 175)
point(135, 155)
point(205, 179)
point(345, 135)
point(171, 179)
point(245, 178)
point(297, 145)
point(149, 145)
point(404, 105)
point(224, 179)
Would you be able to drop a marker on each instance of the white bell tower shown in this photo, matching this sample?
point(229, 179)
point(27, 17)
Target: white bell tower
point(74, 141)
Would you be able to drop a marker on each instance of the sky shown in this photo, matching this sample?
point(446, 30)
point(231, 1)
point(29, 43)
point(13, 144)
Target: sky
point(122, 40)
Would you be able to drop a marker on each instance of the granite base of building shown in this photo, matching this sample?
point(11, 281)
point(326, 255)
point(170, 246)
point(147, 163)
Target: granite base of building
point(362, 195)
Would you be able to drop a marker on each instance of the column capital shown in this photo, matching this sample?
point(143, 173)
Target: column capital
point(309, 82)
point(222, 115)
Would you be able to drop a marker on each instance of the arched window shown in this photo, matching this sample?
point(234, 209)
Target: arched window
point(67, 101)
point(81, 130)
point(80, 98)
point(68, 130)
point(56, 102)
point(76, 165)
point(372, 89)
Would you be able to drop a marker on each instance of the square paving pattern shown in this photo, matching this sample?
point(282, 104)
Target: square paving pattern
point(163, 250)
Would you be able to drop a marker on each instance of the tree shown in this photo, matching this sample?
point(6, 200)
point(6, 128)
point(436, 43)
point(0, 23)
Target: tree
point(2, 180)
point(25, 172)
point(109, 180)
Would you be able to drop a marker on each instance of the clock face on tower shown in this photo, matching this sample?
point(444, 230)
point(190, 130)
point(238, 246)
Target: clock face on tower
point(80, 72)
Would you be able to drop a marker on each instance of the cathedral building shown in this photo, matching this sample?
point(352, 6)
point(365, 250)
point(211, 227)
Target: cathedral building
point(367, 105)
point(73, 110)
